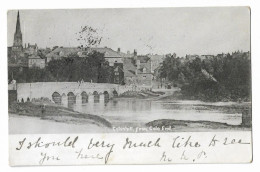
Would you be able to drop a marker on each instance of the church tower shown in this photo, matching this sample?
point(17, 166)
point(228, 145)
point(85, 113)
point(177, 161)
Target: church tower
point(18, 38)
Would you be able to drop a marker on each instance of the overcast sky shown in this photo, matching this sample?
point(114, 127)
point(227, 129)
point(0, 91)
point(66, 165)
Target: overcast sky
point(150, 30)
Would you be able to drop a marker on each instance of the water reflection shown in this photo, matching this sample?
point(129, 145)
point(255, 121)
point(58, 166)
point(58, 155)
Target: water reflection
point(143, 111)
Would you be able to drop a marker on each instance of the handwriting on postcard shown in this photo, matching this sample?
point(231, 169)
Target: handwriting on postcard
point(169, 148)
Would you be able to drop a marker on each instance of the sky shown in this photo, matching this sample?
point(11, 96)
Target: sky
point(205, 30)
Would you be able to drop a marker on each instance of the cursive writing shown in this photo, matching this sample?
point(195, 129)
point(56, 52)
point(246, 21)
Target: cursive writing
point(39, 144)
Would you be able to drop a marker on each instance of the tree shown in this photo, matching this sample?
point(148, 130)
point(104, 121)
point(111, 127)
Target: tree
point(232, 73)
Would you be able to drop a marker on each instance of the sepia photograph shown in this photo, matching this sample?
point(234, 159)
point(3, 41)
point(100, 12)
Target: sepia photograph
point(139, 70)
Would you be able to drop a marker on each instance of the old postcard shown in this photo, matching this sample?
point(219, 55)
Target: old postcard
point(129, 86)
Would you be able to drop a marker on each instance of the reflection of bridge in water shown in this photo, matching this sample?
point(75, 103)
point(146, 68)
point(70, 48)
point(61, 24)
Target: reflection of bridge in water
point(82, 98)
point(69, 92)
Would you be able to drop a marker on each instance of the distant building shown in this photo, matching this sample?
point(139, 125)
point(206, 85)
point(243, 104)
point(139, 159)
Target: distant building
point(111, 56)
point(18, 37)
point(114, 58)
point(118, 73)
point(36, 61)
point(19, 57)
point(31, 49)
point(137, 71)
point(155, 60)
point(59, 52)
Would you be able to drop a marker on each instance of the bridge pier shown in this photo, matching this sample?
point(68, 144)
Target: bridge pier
point(78, 99)
point(101, 97)
point(91, 98)
point(64, 100)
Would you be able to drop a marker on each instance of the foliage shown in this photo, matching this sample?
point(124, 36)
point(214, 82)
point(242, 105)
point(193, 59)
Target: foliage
point(68, 69)
point(232, 74)
point(88, 36)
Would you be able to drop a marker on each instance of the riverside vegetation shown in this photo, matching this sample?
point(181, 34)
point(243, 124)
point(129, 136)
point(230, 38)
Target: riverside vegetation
point(227, 78)
point(218, 78)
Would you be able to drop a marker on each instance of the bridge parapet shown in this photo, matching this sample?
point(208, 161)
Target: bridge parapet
point(29, 91)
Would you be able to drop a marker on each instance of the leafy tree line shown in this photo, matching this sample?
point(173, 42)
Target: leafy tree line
point(230, 77)
point(68, 69)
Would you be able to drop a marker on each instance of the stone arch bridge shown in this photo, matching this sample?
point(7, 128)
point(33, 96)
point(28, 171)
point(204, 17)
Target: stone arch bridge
point(69, 92)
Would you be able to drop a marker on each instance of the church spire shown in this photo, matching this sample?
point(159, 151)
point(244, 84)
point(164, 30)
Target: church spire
point(18, 39)
point(18, 27)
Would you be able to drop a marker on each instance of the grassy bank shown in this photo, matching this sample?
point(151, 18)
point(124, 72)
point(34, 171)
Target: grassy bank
point(181, 125)
point(56, 113)
point(141, 94)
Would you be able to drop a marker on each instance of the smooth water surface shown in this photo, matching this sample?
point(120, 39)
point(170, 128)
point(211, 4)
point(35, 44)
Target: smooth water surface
point(135, 112)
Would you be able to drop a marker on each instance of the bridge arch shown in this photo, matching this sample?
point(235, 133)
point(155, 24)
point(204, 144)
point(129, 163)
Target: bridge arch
point(84, 97)
point(71, 98)
point(106, 96)
point(96, 96)
point(115, 94)
point(64, 100)
point(56, 97)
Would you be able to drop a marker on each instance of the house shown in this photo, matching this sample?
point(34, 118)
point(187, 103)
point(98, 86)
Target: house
point(118, 73)
point(137, 71)
point(130, 77)
point(156, 61)
point(59, 52)
point(110, 55)
point(30, 49)
point(36, 61)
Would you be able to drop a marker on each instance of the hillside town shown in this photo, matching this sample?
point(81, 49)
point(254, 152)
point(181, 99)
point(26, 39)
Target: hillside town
point(129, 68)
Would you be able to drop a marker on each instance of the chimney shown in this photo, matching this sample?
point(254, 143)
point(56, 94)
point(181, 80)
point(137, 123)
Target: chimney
point(135, 52)
point(24, 45)
point(118, 50)
point(128, 52)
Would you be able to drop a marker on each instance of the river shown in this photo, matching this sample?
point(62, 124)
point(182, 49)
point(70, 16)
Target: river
point(136, 112)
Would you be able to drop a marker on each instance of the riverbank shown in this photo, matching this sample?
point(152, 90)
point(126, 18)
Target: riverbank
point(145, 94)
point(28, 115)
point(242, 107)
point(179, 95)
point(33, 125)
point(191, 126)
